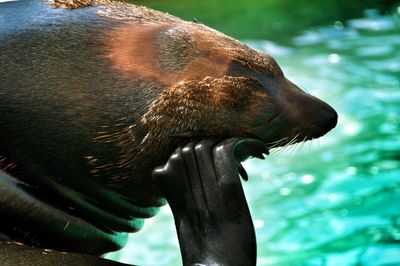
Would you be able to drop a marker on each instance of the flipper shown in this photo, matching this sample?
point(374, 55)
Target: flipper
point(22, 215)
point(202, 185)
point(35, 222)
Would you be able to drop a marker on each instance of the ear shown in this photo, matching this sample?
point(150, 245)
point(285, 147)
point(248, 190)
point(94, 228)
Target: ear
point(212, 106)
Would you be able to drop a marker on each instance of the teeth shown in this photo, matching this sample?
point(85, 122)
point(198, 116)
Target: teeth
point(242, 171)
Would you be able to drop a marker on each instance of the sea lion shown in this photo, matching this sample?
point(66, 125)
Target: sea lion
point(95, 94)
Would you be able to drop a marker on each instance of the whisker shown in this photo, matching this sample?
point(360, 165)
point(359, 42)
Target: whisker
point(296, 144)
point(274, 146)
point(276, 143)
point(279, 150)
point(292, 146)
point(299, 144)
point(289, 147)
point(303, 144)
point(279, 140)
point(283, 148)
point(293, 140)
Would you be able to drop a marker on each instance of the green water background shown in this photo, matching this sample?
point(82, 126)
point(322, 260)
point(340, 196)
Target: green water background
point(333, 201)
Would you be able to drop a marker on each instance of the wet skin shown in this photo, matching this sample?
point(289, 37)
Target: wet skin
point(203, 188)
point(91, 104)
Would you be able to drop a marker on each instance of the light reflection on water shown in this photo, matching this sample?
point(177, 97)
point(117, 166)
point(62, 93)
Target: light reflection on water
point(334, 201)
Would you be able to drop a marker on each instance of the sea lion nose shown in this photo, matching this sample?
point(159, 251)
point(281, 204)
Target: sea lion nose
point(325, 118)
point(331, 118)
point(321, 114)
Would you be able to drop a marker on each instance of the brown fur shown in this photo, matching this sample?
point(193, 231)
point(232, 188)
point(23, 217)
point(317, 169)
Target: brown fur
point(194, 82)
point(74, 4)
point(200, 96)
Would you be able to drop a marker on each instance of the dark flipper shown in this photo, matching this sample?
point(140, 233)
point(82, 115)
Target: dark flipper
point(23, 216)
point(34, 222)
point(213, 222)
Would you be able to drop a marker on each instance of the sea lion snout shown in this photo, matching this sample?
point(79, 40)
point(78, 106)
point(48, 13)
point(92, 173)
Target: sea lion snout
point(313, 116)
point(296, 115)
point(327, 118)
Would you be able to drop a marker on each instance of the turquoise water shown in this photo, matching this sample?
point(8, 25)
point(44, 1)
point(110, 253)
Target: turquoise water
point(333, 201)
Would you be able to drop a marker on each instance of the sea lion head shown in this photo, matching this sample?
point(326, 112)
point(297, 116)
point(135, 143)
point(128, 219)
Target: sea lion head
point(212, 86)
point(216, 86)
